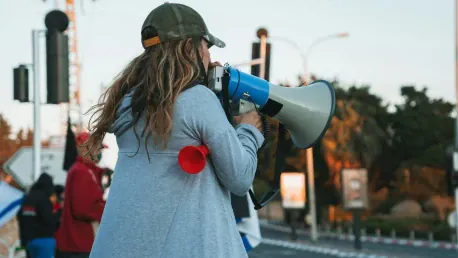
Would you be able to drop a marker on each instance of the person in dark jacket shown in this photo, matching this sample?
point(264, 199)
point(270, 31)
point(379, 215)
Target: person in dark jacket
point(37, 221)
point(23, 234)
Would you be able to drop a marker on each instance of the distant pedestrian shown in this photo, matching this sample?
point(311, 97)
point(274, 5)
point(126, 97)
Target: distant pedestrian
point(37, 221)
point(83, 204)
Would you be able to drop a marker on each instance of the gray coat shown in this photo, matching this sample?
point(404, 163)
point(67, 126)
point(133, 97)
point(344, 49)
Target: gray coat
point(154, 209)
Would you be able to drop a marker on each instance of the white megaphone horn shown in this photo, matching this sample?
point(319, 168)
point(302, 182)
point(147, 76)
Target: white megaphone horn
point(305, 112)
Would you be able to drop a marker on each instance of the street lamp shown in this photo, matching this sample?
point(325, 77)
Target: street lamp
point(310, 168)
point(305, 54)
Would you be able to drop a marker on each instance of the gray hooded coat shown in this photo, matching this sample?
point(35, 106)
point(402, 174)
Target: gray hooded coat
point(154, 209)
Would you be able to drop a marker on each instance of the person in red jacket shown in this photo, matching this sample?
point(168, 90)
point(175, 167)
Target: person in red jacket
point(83, 206)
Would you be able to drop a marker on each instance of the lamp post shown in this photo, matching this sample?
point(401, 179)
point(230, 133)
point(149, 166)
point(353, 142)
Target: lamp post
point(305, 54)
point(310, 167)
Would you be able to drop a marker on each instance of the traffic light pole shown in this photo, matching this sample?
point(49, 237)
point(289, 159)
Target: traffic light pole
point(57, 76)
point(36, 105)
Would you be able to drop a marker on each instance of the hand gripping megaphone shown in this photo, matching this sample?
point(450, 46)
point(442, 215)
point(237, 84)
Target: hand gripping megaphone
point(305, 112)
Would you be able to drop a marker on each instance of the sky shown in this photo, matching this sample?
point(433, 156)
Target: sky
point(391, 43)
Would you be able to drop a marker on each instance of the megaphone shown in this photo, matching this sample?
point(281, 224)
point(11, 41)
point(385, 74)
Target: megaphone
point(305, 112)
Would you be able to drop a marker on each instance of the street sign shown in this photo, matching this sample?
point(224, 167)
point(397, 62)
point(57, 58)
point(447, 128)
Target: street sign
point(292, 190)
point(354, 186)
point(455, 162)
point(20, 165)
point(451, 219)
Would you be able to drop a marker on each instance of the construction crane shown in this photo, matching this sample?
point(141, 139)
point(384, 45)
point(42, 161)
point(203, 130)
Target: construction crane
point(75, 75)
point(73, 108)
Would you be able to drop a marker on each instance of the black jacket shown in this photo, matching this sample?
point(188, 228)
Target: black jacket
point(36, 217)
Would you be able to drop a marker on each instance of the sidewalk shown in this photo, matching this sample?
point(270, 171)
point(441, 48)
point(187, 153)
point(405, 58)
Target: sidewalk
point(273, 215)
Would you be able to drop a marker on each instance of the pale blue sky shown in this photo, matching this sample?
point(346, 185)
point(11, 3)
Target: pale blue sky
point(391, 42)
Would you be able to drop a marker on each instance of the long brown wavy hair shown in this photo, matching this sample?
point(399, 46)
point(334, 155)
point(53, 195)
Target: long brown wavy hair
point(158, 75)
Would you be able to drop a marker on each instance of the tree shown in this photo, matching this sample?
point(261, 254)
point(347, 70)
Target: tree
point(9, 144)
point(6, 143)
point(422, 127)
point(24, 138)
point(363, 133)
point(357, 135)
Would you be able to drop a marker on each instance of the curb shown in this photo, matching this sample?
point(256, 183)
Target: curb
point(275, 225)
point(391, 241)
point(318, 249)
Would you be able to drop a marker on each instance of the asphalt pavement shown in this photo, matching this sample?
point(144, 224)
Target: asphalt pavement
point(273, 251)
point(278, 244)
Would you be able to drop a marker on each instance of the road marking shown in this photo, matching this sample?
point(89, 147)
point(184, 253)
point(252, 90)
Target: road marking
point(318, 249)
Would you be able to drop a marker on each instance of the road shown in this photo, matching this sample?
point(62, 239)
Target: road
point(278, 245)
point(270, 251)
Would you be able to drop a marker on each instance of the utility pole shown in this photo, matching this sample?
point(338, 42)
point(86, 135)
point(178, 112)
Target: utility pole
point(262, 34)
point(260, 64)
point(36, 105)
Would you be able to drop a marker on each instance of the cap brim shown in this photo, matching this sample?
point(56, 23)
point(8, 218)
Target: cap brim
point(214, 41)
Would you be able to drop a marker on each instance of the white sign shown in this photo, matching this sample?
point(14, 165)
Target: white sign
point(452, 219)
point(292, 190)
point(455, 161)
point(354, 186)
point(20, 165)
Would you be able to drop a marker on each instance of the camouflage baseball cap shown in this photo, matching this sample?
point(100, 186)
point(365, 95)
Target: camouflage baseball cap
point(177, 22)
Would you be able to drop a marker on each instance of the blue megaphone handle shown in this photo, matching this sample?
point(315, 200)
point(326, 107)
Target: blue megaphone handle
point(242, 83)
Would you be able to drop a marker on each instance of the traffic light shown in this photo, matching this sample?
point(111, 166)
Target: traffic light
point(21, 83)
point(57, 64)
point(256, 53)
point(57, 57)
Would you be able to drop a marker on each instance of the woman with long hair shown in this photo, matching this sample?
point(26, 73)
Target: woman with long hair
point(156, 106)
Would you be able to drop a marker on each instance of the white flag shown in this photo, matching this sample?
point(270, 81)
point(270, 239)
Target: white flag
point(10, 202)
point(249, 228)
